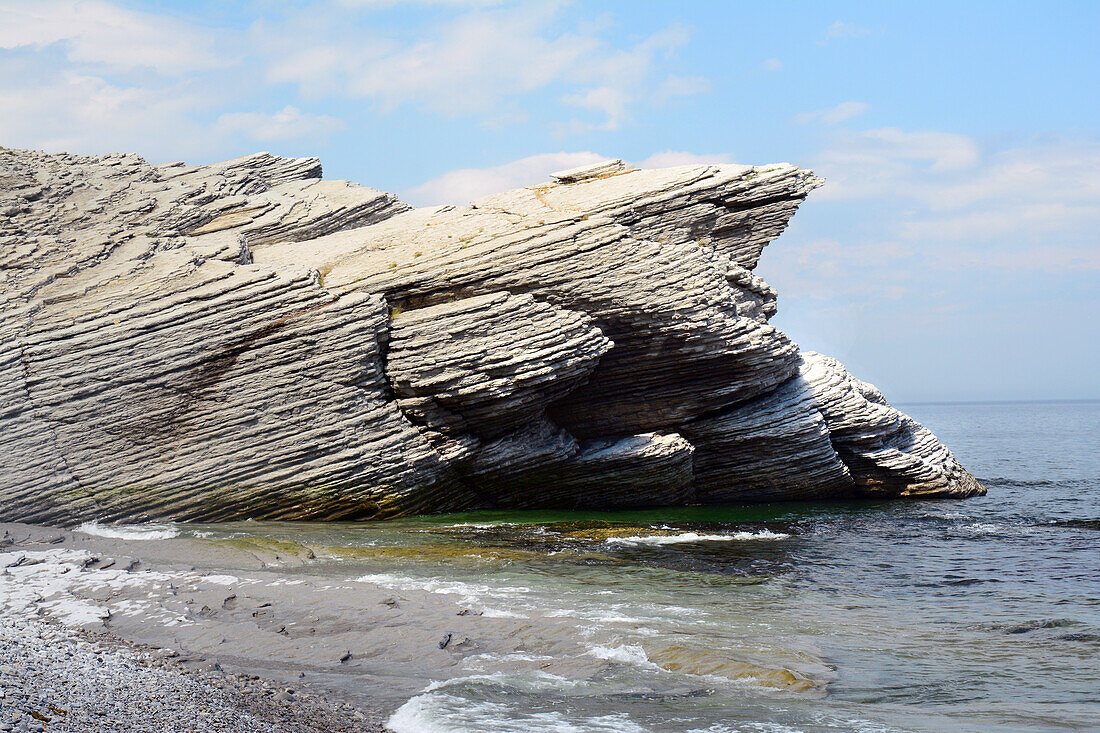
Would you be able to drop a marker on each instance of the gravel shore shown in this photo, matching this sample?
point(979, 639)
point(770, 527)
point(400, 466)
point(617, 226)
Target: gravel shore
point(60, 679)
point(87, 645)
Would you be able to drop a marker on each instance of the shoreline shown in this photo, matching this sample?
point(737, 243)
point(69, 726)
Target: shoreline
point(82, 622)
point(261, 615)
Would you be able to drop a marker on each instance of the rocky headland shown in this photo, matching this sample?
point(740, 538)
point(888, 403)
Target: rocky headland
point(248, 339)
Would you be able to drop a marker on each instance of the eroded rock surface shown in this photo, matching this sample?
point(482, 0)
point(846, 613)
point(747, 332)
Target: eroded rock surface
point(246, 339)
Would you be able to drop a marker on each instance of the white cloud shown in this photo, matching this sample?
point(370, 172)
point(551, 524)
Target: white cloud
point(610, 101)
point(1052, 257)
point(467, 184)
point(673, 158)
point(943, 187)
point(771, 65)
point(823, 268)
point(82, 113)
point(886, 161)
point(374, 4)
point(85, 114)
point(105, 34)
point(288, 123)
point(480, 61)
point(841, 30)
point(93, 75)
point(834, 115)
point(681, 86)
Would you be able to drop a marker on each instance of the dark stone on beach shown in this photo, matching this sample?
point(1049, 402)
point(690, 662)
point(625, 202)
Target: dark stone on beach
point(446, 640)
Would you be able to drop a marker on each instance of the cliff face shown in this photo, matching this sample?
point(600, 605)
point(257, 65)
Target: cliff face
point(246, 339)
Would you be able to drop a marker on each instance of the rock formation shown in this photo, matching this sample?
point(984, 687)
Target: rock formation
point(247, 339)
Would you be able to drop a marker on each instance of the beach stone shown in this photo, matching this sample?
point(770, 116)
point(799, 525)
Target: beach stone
point(248, 339)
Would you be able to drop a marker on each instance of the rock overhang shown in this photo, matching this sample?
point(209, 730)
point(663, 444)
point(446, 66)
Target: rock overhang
point(248, 339)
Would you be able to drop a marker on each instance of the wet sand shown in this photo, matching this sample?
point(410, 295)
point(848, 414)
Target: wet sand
point(248, 619)
point(236, 626)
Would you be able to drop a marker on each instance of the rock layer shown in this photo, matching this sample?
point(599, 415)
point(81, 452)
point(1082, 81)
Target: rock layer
point(246, 339)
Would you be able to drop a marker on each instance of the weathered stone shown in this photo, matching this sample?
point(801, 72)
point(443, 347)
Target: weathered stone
point(246, 339)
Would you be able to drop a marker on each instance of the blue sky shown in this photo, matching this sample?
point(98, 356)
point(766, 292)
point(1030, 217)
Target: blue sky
point(952, 255)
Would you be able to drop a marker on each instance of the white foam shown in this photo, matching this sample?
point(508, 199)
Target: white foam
point(130, 531)
point(439, 712)
point(446, 587)
point(478, 525)
point(981, 529)
point(603, 615)
point(538, 681)
point(487, 612)
point(470, 594)
point(57, 583)
point(486, 662)
point(686, 537)
point(625, 654)
point(748, 728)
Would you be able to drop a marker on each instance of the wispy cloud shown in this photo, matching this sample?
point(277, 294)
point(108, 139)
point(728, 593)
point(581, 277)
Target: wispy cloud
point(841, 30)
point(771, 65)
point(467, 184)
point(673, 158)
point(948, 187)
point(480, 62)
point(107, 35)
point(80, 113)
point(610, 101)
point(826, 268)
point(286, 124)
point(85, 75)
point(834, 115)
point(377, 4)
point(675, 85)
point(888, 162)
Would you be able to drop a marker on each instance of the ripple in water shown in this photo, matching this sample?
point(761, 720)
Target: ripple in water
point(975, 615)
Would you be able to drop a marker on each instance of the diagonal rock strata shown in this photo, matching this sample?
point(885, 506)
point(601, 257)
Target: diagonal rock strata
point(247, 339)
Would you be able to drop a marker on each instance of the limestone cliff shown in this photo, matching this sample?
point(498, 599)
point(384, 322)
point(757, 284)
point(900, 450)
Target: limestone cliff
point(247, 339)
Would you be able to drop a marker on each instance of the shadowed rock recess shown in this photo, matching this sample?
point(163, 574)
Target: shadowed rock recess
point(246, 339)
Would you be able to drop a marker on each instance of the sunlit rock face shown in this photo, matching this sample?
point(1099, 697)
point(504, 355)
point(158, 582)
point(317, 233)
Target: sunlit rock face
point(246, 339)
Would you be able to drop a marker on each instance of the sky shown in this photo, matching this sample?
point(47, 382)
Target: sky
point(952, 254)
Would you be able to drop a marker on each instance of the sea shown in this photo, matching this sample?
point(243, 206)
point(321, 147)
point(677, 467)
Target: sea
point(980, 614)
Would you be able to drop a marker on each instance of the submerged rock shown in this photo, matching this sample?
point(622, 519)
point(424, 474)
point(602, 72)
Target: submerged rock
point(246, 339)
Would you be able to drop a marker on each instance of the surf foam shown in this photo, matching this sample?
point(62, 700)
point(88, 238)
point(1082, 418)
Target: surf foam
point(688, 537)
point(130, 531)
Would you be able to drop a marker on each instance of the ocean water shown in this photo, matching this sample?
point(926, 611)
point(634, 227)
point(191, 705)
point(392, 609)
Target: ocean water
point(974, 615)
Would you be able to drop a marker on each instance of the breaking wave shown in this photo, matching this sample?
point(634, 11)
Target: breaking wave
point(130, 531)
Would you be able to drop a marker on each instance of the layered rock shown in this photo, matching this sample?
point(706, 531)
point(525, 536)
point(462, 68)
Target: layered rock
point(246, 339)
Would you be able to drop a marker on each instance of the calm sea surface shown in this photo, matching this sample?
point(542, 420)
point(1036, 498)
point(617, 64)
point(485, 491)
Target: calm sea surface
point(973, 615)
